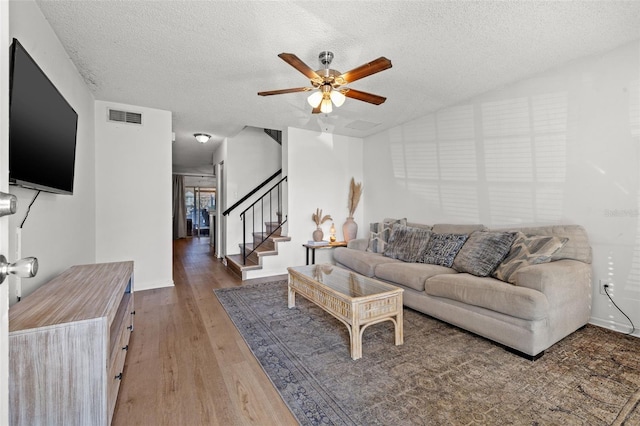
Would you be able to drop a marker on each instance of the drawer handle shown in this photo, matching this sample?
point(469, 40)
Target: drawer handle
point(126, 348)
point(119, 376)
point(130, 327)
point(133, 312)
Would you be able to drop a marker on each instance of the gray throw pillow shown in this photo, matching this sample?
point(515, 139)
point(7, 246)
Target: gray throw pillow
point(406, 243)
point(527, 250)
point(379, 233)
point(483, 252)
point(442, 249)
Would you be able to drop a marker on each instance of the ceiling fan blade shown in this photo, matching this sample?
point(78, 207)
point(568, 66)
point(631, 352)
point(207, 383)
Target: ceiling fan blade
point(283, 91)
point(316, 110)
point(364, 96)
point(297, 63)
point(365, 70)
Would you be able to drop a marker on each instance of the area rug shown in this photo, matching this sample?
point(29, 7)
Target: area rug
point(441, 375)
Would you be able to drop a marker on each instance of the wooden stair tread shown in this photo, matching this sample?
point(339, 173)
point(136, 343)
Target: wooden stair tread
point(275, 238)
point(235, 262)
point(261, 250)
point(266, 246)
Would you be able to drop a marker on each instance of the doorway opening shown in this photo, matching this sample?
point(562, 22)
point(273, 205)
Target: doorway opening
point(201, 205)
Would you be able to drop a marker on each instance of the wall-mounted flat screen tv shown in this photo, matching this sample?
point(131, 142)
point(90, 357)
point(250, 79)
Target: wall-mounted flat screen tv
point(42, 128)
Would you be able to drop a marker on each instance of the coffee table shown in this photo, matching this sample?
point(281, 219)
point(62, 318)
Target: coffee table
point(353, 299)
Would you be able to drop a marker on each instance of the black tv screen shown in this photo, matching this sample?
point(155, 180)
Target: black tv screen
point(42, 128)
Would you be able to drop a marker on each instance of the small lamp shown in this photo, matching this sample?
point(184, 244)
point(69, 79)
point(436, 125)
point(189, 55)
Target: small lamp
point(202, 137)
point(332, 233)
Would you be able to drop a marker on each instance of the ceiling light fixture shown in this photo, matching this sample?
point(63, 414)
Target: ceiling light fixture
point(337, 97)
point(202, 137)
point(325, 106)
point(315, 98)
point(329, 87)
point(325, 97)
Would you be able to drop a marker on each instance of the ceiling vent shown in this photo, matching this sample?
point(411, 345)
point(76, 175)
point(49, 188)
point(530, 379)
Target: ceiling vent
point(125, 116)
point(361, 125)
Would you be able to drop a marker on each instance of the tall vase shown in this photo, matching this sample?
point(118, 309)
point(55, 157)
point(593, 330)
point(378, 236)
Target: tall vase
point(318, 234)
point(350, 229)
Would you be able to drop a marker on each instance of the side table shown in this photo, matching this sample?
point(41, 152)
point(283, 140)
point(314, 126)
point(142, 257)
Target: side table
point(311, 248)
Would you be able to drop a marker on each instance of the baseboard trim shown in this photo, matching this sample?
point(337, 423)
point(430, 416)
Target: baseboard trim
point(614, 326)
point(151, 285)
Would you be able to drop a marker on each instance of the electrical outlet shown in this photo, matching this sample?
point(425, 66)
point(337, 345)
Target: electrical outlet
point(602, 286)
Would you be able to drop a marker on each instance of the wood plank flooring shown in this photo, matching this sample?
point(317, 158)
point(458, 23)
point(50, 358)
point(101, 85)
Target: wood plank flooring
point(187, 364)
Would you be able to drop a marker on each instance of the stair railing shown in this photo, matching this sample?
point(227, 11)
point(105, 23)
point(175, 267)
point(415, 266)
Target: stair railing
point(253, 191)
point(266, 203)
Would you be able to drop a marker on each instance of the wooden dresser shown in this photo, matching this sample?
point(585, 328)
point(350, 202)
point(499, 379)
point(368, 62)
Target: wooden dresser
point(67, 346)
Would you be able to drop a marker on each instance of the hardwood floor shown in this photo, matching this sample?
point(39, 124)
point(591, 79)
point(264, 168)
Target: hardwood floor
point(187, 364)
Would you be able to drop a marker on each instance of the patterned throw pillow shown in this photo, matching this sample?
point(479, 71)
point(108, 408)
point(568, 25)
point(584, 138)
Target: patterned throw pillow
point(379, 234)
point(483, 252)
point(527, 250)
point(406, 243)
point(443, 248)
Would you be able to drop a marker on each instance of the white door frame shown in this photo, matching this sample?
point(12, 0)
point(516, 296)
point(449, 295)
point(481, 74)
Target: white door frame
point(4, 221)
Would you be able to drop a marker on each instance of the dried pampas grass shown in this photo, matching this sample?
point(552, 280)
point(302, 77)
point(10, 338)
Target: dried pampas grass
point(318, 218)
point(355, 191)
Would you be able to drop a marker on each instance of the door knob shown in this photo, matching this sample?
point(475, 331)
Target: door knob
point(8, 204)
point(25, 268)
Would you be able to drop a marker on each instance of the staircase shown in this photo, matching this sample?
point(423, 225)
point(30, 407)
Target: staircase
point(258, 224)
point(264, 244)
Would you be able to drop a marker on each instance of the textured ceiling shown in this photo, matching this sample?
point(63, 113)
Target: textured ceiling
point(206, 60)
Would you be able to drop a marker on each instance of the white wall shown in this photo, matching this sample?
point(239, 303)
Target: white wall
point(561, 147)
point(60, 229)
point(133, 193)
point(319, 167)
point(251, 157)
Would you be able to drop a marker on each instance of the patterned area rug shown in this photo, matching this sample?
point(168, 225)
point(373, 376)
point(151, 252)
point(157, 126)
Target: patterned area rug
point(442, 375)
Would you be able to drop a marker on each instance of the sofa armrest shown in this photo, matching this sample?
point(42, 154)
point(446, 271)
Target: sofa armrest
point(561, 281)
point(358, 244)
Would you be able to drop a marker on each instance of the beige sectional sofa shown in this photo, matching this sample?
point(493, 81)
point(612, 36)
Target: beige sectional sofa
point(544, 303)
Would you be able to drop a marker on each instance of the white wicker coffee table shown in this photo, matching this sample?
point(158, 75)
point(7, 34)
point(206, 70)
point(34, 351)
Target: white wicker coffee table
point(355, 300)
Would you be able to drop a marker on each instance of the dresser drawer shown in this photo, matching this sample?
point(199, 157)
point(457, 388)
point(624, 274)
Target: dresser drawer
point(118, 355)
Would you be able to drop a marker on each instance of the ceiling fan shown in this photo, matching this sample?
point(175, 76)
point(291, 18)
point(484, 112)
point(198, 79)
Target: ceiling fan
point(328, 85)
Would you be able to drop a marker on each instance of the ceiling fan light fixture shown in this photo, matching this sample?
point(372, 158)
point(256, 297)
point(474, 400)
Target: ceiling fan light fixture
point(315, 98)
point(337, 97)
point(202, 137)
point(328, 85)
point(325, 106)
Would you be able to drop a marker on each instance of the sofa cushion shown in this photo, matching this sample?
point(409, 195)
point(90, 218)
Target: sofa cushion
point(410, 275)
point(490, 293)
point(363, 262)
point(379, 233)
point(406, 243)
point(483, 252)
point(577, 247)
point(442, 249)
point(527, 250)
point(419, 225)
point(448, 228)
point(358, 244)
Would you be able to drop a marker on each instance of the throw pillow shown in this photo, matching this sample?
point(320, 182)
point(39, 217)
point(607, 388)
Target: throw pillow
point(527, 250)
point(443, 248)
point(406, 243)
point(483, 252)
point(379, 234)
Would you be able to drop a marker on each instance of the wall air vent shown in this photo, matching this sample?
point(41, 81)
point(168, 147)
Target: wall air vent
point(125, 116)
